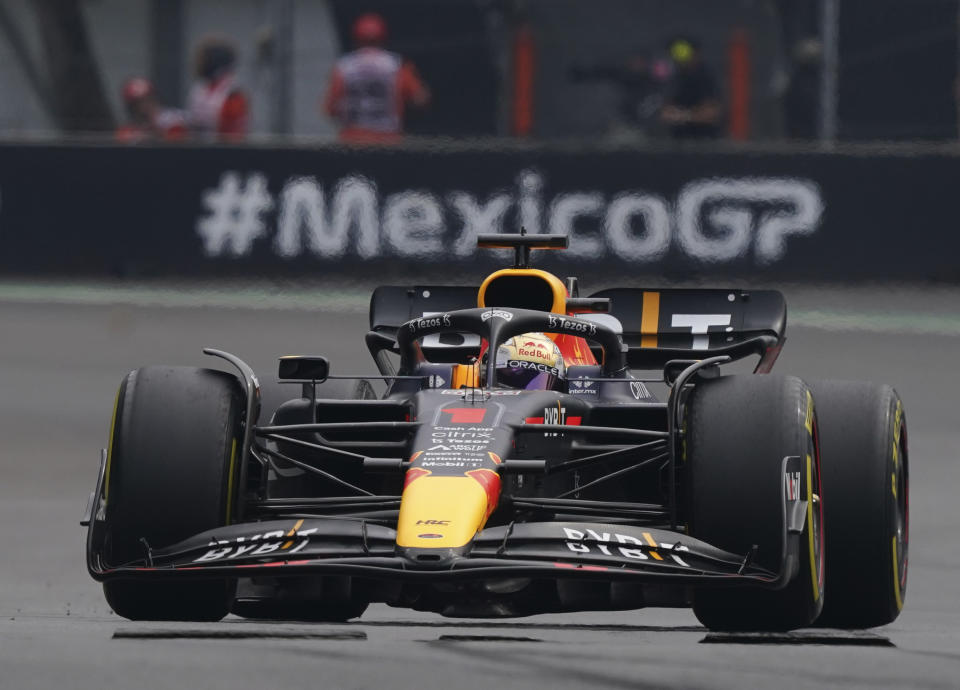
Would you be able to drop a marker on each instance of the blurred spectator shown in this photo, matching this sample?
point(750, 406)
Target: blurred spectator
point(640, 82)
point(692, 109)
point(370, 88)
point(147, 120)
point(802, 98)
point(217, 106)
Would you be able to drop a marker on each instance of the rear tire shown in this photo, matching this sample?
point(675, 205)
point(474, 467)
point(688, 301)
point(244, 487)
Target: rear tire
point(176, 434)
point(866, 474)
point(739, 430)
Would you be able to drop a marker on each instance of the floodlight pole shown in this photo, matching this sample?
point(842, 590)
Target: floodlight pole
point(830, 68)
point(283, 15)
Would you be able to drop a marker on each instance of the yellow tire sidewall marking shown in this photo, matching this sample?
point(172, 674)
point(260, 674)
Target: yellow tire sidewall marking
point(811, 537)
point(897, 594)
point(810, 530)
point(230, 470)
point(897, 420)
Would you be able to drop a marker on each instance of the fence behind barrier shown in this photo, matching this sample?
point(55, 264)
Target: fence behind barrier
point(192, 211)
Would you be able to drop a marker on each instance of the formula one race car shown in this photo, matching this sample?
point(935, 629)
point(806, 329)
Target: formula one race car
point(517, 463)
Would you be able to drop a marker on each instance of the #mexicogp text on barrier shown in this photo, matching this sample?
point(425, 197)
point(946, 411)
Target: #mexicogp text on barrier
point(171, 211)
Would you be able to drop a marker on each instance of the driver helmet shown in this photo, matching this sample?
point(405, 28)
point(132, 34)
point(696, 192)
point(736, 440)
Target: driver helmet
point(531, 361)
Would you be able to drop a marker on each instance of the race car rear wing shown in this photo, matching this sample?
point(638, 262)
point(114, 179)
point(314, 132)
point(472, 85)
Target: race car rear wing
point(663, 325)
point(658, 325)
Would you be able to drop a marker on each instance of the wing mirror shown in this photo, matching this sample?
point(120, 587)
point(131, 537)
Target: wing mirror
point(303, 368)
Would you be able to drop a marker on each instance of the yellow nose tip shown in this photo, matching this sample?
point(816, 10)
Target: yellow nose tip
point(441, 512)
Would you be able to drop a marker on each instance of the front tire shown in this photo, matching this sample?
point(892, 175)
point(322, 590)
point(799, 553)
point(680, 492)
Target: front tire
point(739, 430)
point(170, 475)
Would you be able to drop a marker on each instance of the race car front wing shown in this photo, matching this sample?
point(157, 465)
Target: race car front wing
point(357, 547)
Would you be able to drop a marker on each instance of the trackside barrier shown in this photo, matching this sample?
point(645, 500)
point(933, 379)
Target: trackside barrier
point(208, 211)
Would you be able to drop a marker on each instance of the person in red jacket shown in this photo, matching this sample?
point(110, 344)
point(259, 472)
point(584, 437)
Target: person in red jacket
point(147, 120)
point(218, 108)
point(370, 87)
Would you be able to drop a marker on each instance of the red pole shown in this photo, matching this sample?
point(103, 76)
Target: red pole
point(739, 78)
point(523, 70)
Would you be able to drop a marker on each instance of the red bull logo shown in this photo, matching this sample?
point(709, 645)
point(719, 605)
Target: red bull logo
point(533, 351)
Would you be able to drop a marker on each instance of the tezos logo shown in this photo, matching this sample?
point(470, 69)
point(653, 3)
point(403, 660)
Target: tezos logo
point(430, 322)
point(562, 324)
point(496, 314)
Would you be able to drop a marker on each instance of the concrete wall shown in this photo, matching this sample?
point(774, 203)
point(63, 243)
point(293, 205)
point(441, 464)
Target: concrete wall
point(567, 32)
point(21, 109)
point(120, 34)
point(570, 32)
point(315, 47)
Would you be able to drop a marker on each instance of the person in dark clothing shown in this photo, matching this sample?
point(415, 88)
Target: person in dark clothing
point(801, 101)
point(640, 83)
point(692, 109)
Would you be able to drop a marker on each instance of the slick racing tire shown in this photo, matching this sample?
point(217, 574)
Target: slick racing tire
point(863, 438)
point(173, 451)
point(739, 429)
